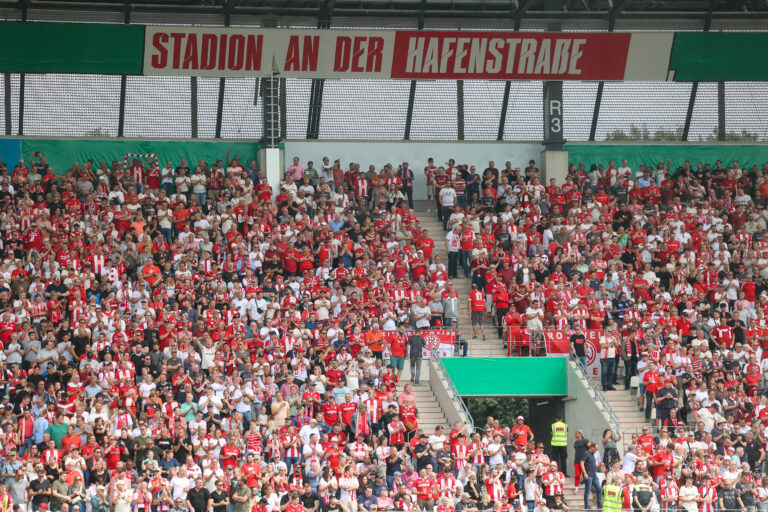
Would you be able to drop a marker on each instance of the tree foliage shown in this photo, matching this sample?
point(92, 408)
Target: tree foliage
point(505, 409)
point(643, 134)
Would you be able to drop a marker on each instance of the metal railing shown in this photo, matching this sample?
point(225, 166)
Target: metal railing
point(452, 389)
point(613, 419)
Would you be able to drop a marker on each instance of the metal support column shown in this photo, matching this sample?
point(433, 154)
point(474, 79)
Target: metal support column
point(552, 106)
point(504, 107)
point(617, 7)
point(220, 107)
point(222, 81)
point(460, 108)
point(553, 115)
point(596, 111)
point(689, 113)
point(694, 90)
point(409, 115)
point(505, 100)
point(283, 104)
point(271, 111)
point(21, 103)
point(193, 105)
point(412, 90)
point(721, 111)
point(22, 78)
point(318, 84)
point(123, 85)
point(7, 103)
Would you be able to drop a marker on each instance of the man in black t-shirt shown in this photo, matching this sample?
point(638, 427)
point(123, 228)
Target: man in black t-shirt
point(578, 345)
point(308, 499)
point(199, 498)
point(729, 497)
point(40, 488)
point(745, 487)
point(220, 498)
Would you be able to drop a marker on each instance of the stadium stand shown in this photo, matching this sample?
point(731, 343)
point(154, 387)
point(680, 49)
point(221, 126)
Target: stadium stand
point(161, 327)
point(201, 333)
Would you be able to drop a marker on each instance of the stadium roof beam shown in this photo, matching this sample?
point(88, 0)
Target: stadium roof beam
point(528, 9)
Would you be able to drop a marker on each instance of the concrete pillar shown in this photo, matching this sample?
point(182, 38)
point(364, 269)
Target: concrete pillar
point(554, 164)
point(272, 165)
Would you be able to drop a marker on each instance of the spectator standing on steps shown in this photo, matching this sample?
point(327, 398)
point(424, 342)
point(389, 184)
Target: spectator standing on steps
point(666, 400)
point(447, 201)
point(589, 469)
point(415, 349)
point(477, 308)
point(580, 447)
point(453, 247)
point(609, 345)
point(559, 443)
point(406, 177)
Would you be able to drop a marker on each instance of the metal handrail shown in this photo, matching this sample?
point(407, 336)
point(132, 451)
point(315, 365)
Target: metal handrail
point(599, 397)
point(452, 388)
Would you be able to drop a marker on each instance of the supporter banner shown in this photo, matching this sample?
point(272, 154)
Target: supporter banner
point(388, 54)
point(261, 52)
point(558, 343)
point(442, 341)
point(593, 351)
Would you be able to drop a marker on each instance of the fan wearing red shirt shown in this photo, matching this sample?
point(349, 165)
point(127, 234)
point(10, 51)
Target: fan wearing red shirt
point(331, 413)
point(397, 352)
point(501, 301)
point(521, 432)
point(70, 441)
point(652, 381)
point(662, 461)
point(424, 488)
point(251, 470)
point(347, 409)
point(493, 486)
point(230, 455)
point(477, 305)
point(426, 245)
point(294, 505)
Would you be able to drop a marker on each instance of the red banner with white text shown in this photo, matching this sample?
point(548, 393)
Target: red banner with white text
point(558, 344)
point(510, 56)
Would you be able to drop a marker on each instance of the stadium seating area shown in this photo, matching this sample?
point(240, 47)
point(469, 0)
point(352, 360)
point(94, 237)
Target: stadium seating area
point(171, 335)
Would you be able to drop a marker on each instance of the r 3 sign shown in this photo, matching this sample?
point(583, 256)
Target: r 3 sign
point(555, 116)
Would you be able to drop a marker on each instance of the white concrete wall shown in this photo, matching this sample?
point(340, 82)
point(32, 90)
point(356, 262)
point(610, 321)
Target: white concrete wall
point(415, 153)
point(582, 412)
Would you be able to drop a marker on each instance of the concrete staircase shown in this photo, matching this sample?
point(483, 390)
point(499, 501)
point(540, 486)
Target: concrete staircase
point(625, 405)
point(492, 346)
point(430, 413)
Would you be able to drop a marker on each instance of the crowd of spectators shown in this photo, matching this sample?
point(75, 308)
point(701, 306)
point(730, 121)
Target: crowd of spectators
point(184, 338)
point(670, 266)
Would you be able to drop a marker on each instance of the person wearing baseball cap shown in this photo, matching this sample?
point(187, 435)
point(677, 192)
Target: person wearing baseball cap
point(553, 482)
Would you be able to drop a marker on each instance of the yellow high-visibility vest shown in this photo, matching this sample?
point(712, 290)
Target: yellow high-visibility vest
point(559, 434)
point(613, 498)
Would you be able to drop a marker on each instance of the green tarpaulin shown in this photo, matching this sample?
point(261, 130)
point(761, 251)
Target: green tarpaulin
point(514, 376)
point(719, 56)
point(650, 154)
point(71, 48)
point(61, 153)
